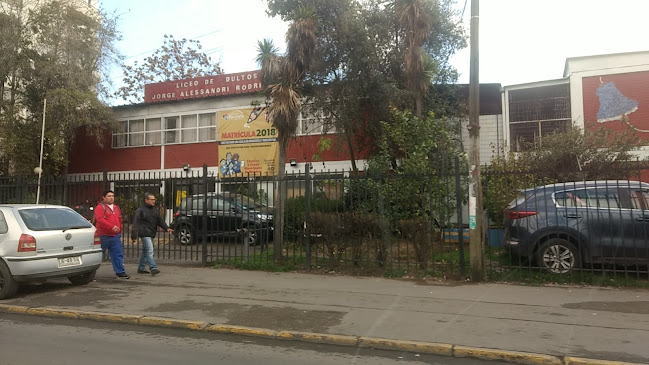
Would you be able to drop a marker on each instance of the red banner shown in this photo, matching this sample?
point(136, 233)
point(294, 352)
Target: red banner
point(203, 87)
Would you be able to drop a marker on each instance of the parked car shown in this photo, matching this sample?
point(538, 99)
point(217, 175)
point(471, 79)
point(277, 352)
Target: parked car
point(39, 242)
point(228, 215)
point(565, 226)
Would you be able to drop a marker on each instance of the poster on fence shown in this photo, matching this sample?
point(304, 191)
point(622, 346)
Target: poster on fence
point(245, 124)
point(244, 159)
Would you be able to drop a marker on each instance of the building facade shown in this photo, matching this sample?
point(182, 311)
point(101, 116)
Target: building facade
point(601, 91)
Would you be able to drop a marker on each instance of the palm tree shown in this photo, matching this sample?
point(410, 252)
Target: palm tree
point(282, 77)
point(416, 21)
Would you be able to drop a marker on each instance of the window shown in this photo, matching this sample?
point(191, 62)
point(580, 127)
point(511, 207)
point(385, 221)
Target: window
point(136, 132)
point(153, 136)
point(537, 112)
point(594, 197)
point(207, 127)
point(120, 137)
point(221, 205)
point(3, 224)
point(171, 130)
point(189, 128)
point(640, 199)
point(50, 219)
point(315, 122)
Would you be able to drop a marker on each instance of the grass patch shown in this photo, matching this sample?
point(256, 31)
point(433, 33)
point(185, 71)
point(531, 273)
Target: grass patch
point(394, 273)
point(501, 267)
point(257, 261)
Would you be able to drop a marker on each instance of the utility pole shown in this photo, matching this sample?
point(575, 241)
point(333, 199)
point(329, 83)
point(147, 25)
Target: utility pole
point(475, 187)
point(39, 169)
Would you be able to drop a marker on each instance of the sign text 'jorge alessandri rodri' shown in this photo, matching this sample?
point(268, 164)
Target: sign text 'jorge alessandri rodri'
point(203, 87)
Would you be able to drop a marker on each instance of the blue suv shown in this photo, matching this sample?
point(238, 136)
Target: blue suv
point(571, 225)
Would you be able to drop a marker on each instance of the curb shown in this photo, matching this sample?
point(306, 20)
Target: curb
point(432, 348)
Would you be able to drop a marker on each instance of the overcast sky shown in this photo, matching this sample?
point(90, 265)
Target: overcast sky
point(520, 40)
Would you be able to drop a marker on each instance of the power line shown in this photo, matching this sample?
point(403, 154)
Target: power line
point(191, 39)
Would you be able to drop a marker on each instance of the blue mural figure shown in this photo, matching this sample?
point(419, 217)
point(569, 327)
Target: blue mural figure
point(236, 164)
point(612, 104)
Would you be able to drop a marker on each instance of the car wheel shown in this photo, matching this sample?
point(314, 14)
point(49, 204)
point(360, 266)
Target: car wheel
point(558, 256)
point(83, 279)
point(8, 286)
point(185, 235)
point(250, 235)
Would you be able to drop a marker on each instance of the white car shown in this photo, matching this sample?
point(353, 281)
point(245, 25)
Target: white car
point(38, 242)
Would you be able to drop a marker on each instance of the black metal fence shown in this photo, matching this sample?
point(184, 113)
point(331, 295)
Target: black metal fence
point(390, 224)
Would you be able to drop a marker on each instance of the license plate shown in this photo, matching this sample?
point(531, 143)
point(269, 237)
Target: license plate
point(69, 261)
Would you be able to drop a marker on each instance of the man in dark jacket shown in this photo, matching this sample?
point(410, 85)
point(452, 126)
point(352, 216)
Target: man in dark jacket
point(145, 225)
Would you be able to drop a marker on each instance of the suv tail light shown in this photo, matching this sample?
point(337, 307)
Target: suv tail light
point(97, 240)
point(515, 214)
point(26, 243)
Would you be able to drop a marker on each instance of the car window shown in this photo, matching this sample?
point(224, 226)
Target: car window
point(221, 205)
point(3, 224)
point(49, 219)
point(640, 199)
point(520, 198)
point(197, 204)
point(605, 197)
point(571, 198)
point(185, 204)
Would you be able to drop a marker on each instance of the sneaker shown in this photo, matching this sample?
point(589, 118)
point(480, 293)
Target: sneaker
point(123, 275)
point(155, 272)
point(143, 272)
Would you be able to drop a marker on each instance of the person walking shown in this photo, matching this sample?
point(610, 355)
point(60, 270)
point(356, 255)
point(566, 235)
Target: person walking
point(108, 220)
point(146, 221)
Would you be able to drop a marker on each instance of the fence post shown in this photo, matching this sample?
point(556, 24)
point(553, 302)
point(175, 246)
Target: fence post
point(307, 220)
point(105, 176)
point(21, 188)
point(460, 229)
point(204, 243)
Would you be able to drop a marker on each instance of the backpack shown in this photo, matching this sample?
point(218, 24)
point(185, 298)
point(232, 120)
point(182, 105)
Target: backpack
point(93, 221)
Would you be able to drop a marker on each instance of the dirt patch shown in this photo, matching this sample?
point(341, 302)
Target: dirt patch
point(280, 318)
point(639, 307)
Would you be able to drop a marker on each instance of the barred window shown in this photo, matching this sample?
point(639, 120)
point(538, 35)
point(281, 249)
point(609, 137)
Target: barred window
point(537, 112)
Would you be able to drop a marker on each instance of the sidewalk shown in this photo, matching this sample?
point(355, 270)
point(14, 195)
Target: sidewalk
point(592, 323)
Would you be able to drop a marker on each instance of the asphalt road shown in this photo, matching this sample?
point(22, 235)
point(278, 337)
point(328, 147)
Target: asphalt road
point(42, 340)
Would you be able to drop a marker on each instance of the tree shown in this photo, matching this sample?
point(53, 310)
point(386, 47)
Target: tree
point(358, 73)
point(415, 20)
point(58, 55)
point(420, 153)
point(282, 77)
point(174, 60)
point(575, 155)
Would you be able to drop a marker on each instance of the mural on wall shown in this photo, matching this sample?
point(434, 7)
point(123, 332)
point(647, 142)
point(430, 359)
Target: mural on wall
point(612, 104)
point(617, 102)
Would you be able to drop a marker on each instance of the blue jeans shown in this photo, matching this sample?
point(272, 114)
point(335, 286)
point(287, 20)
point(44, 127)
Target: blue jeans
point(115, 251)
point(147, 254)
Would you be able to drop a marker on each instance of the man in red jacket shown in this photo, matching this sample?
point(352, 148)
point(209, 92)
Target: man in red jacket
point(108, 220)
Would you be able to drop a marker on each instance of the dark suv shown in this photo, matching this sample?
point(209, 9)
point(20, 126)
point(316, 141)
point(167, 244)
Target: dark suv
point(565, 226)
point(228, 215)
